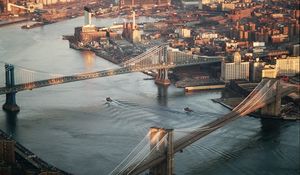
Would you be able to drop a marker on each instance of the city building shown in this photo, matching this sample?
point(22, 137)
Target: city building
point(288, 66)
point(209, 35)
point(269, 71)
point(184, 33)
point(235, 71)
point(3, 6)
point(205, 2)
point(228, 6)
point(50, 2)
point(147, 3)
point(256, 68)
point(296, 50)
point(190, 3)
point(131, 31)
point(143, 3)
point(163, 2)
point(127, 3)
point(88, 32)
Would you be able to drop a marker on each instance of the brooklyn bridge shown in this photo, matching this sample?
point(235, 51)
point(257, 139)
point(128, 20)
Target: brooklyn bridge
point(156, 151)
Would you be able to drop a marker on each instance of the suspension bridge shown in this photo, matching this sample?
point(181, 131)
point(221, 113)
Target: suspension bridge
point(156, 151)
point(160, 58)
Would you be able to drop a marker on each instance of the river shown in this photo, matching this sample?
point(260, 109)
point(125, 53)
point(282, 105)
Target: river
point(72, 127)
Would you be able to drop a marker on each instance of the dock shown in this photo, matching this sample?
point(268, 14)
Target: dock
point(204, 87)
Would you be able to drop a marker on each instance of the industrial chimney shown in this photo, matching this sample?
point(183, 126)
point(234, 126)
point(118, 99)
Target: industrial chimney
point(87, 16)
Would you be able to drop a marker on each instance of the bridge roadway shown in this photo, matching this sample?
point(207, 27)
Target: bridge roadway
point(98, 74)
point(214, 125)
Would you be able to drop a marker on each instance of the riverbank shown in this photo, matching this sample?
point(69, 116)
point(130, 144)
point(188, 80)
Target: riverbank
point(10, 21)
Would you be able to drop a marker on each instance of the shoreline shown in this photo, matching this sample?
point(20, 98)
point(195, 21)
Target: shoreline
point(10, 22)
point(255, 115)
point(105, 56)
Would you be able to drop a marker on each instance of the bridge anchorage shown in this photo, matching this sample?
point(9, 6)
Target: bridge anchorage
point(10, 101)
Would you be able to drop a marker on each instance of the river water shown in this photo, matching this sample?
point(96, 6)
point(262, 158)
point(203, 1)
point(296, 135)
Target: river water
point(72, 127)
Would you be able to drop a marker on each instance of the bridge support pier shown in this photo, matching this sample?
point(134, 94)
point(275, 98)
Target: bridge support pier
point(167, 166)
point(162, 74)
point(10, 104)
point(273, 109)
point(162, 77)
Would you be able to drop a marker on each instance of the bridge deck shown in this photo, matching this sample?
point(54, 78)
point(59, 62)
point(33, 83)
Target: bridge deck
point(97, 74)
point(198, 134)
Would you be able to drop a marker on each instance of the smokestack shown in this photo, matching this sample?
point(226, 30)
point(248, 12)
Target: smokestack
point(133, 19)
point(87, 16)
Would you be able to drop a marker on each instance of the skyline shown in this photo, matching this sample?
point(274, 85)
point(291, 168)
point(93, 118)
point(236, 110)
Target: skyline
point(186, 70)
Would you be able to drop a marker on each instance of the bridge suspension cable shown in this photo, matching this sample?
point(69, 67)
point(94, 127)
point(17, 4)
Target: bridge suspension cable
point(130, 156)
point(156, 58)
point(25, 76)
point(152, 152)
point(260, 96)
point(142, 151)
point(144, 55)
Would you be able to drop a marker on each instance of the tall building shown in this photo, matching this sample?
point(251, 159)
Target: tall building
point(235, 71)
point(288, 67)
point(256, 68)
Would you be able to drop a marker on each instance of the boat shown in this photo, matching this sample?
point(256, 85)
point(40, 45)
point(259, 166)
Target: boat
point(152, 78)
point(187, 109)
point(33, 25)
point(108, 99)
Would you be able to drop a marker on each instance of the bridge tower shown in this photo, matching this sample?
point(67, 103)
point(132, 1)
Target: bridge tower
point(273, 109)
point(10, 103)
point(167, 166)
point(162, 74)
